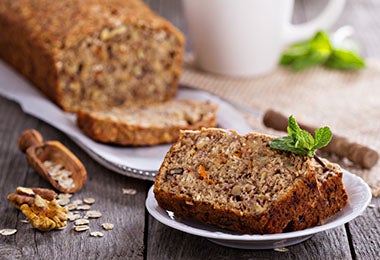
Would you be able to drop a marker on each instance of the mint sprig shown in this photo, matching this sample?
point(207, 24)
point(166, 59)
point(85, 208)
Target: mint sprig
point(301, 142)
point(319, 51)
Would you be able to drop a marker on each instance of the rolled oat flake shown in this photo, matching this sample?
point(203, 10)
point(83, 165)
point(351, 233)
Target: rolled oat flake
point(96, 234)
point(107, 226)
point(93, 214)
point(81, 228)
point(8, 231)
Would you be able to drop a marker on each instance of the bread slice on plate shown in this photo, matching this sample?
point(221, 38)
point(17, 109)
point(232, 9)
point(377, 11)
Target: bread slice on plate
point(238, 182)
point(152, 124)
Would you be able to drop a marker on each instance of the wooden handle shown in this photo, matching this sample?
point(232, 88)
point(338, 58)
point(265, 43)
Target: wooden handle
point(29, 138)
point(356, 153)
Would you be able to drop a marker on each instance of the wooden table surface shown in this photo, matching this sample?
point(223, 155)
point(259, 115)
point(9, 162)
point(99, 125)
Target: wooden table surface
point(136, 234)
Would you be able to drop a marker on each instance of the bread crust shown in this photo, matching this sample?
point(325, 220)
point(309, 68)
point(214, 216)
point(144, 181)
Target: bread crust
point(136, 131)
point(73, 50)
point(300, 206)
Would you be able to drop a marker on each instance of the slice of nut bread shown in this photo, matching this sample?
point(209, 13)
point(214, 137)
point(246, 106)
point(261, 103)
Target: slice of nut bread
point(92, 54)
point(152, 124)
point(238, 182)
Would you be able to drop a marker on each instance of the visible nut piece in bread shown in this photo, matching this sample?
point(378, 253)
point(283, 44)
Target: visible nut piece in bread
point(147, 124)
point(238, 182)
point(92, 53)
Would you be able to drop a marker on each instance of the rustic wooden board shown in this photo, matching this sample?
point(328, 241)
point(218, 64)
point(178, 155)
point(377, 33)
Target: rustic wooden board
point(126, 212)
point(136, 234)
point(167, 243)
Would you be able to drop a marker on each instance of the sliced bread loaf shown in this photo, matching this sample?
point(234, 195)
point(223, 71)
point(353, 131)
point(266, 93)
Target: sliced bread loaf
point(240, 183)
point(92, 54)
point(146, 124)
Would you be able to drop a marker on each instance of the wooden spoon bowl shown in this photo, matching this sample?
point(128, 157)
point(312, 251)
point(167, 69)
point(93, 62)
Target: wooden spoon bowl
point(40, 153)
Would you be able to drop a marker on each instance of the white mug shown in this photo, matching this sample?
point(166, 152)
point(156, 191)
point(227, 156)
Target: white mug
point(246, 37)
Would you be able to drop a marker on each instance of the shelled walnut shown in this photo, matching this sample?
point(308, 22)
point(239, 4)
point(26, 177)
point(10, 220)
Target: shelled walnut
point(40, 207)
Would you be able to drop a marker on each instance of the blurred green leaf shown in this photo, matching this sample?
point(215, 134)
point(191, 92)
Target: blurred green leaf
point(319, 51)
point(344, 60)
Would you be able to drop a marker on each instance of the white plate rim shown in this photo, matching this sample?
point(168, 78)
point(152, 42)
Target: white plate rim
point(137, 162)
point(355, 186)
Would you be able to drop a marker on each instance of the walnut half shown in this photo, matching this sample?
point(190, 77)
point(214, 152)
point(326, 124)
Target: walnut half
point(40, 207)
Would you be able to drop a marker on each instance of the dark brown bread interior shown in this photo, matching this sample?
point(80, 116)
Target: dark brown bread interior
point(240, 183)
point(92, 53)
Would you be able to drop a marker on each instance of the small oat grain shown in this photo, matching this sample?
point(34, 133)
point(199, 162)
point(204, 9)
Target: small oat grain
point(107, 226)
point(129, 191)
point(81, 221)
point(72, 216)
point(83, 207)
point(81, 228)
point(93, 214)
point(7, 231)
point(281, 249)
point(71, 206)
point(89, 200)
point(77, 202)
point(96, 234)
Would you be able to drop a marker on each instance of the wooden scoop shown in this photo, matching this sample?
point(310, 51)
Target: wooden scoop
point(356, 153)
point(53, 161)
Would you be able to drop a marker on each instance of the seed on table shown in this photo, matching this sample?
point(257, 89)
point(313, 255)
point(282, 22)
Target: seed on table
point(129, 191)
point(107, 226)
point(89, 200)
point(93, 214)
point(83, 207)
point(81, 228)
point(64, 196)
point(63, 201)
point(72, 216)
point(96, 234)
point(71, 206)
point(81, 221)
point(281, 249)
point(77, 202)
point(8, 231)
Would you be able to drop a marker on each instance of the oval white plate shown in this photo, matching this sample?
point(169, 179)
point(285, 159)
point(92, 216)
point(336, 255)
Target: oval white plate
point(359, 196)
point(137, 162)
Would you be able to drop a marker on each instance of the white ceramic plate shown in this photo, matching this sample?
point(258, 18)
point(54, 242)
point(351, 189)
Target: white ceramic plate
point(137, 162)
point(359, 196)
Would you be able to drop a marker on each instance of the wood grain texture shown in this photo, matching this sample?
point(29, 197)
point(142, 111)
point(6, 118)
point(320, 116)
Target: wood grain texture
point(167, 243)
point(126, 212)
point(136, 234)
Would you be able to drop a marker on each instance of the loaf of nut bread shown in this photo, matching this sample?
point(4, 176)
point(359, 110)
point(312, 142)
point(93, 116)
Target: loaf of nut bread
point(92, 53)
point(151, 124)
point(238, 182)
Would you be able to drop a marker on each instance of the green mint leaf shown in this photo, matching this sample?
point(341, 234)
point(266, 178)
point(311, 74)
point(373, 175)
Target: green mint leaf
point(305, 140)
point(286, 144)
point(319, 51)
point(293, 128)
point(300, 141)
point(321, 44)
point(322, 137)
point(294, 52)
point(312, 59)
point(345, 60)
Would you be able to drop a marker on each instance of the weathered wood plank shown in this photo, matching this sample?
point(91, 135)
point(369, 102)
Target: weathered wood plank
point(127, 213)
point(164, 243)
point(365, 232)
